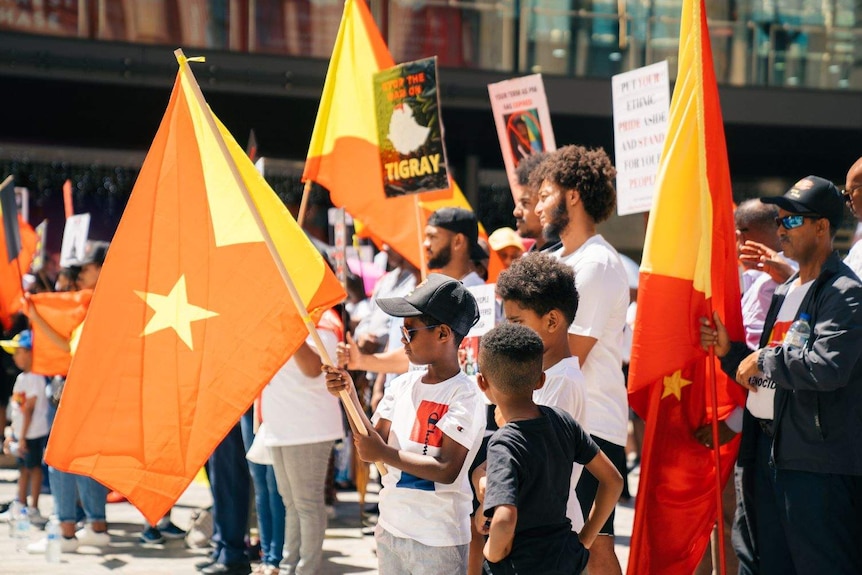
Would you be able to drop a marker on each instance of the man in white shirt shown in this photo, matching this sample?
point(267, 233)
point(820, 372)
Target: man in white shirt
point(452, 244)
point(853, 196)
point(576, 193)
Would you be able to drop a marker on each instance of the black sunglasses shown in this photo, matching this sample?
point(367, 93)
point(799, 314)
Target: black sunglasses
point(793, 221)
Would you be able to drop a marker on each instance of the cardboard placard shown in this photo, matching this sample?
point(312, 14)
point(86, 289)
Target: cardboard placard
point(523, 121)
point(641, 106)
point(412, 153)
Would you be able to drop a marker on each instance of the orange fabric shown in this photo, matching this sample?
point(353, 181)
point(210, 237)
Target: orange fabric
point(689, 268)
point(153, 388)
point(11, 291)
point(63, 312)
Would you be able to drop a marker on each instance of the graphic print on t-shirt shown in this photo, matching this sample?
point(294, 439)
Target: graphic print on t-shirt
point(426, 433)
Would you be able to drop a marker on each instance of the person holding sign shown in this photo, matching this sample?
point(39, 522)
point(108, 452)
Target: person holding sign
point(576, 193)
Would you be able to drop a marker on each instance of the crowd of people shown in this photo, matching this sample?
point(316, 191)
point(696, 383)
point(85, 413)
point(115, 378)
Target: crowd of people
point(516, 466)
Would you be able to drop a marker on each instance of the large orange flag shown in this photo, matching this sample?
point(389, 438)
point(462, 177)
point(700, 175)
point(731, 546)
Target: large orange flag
point(11, 272)
point(62, 313)
point(689, 265)
point(344, 156)
point(191, 316)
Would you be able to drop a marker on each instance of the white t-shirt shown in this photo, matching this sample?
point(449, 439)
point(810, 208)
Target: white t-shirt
point(854, 258)
point(603, 292)
point(29, 385)
point(434, 514)
point(472, 279)
point(762, 403)
point(298, 409)
point(565, 387)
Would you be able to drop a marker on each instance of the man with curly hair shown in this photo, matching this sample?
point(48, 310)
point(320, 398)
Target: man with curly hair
point(576, 193)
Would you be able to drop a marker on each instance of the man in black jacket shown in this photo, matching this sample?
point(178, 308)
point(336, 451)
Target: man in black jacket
point(803, 422)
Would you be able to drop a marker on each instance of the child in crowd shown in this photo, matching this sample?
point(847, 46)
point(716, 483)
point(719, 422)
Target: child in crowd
point(426, 429)
point(538, 291)
point(529, 466)
point(29, 422)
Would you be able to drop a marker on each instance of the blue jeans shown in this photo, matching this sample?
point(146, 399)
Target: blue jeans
point(67, 487)
point(267, 501)
point(229, 482)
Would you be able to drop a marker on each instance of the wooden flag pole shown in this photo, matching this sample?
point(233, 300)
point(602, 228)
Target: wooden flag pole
point(716, 450)
point(303, 204)
point(349, 407)
point(420, 237)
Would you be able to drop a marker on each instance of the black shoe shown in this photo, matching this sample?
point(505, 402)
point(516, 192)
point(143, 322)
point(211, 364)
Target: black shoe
point(201, 565)
point(223, 569)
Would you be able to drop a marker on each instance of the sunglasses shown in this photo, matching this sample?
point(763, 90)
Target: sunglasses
point(408, 332)
point(794, 221)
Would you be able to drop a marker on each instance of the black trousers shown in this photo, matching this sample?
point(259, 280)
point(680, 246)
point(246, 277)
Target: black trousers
point(806, 522)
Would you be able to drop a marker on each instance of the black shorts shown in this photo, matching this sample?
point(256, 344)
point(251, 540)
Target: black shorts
point(588, 485)
point(35, 449)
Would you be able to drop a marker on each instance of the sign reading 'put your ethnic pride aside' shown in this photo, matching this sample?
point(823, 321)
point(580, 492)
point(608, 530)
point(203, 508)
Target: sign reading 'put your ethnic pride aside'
point(412, 154)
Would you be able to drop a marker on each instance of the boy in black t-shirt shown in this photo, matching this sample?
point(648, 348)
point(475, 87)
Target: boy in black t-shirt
point(530, 465)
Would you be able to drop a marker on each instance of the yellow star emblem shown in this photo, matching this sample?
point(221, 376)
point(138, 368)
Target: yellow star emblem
point(174, 311)
point(673, 385)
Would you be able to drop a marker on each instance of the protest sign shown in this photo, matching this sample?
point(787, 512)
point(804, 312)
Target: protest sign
point(641, 102)
point(523, 120)
point(74, 239)
point(412, 154)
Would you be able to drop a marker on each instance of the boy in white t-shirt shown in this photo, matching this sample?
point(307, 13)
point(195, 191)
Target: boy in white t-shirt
point(426, 430)
point(538, 291)
point(29, 421)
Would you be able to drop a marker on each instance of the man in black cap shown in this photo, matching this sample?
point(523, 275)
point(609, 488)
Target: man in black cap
point(452, 244)
point(803, 419)
point(91, 264)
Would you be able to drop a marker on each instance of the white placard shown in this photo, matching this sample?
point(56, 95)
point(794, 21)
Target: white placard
point(641, 104)
point(523, 120)
point(485, 297)
point(74, 239)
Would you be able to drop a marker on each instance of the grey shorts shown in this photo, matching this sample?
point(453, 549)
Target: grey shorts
point(399, 556)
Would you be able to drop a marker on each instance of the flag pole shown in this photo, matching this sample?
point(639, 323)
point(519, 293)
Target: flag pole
point(420, 237)
point(303, 204)
point(352, 413)
point(716, 450)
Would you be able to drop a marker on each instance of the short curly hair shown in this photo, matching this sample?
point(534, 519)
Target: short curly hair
point(510, 358)
point(589, 171)
point(540, 283)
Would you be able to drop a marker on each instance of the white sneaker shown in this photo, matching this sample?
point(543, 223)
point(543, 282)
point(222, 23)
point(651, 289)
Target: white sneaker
point(87, 536)
point(41, 546)
point(35, 517)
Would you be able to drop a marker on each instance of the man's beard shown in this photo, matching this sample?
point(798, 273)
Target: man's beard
point(559, 221)
point(442, 259)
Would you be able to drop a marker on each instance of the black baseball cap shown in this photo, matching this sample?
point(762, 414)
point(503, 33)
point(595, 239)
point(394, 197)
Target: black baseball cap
point(460, 221)
point(812, 195)
point(94, 253)
point(441, 297)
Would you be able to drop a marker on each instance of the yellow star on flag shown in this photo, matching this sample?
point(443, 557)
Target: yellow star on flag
point(673, 385)
point(174, 311)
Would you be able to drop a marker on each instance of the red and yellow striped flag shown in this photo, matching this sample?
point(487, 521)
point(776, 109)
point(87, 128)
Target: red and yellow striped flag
point(344, 153)
point(689, 265)
point(191, 316)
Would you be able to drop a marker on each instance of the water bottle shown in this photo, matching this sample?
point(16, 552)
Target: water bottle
point(22, 529)
point(52, 550)
point(799, 332)
point(14, 510)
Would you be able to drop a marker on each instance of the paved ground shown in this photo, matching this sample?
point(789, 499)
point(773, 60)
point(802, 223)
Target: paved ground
point(346, 550)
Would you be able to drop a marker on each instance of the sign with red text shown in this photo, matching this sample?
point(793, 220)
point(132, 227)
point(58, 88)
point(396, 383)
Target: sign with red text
point(641, 103)
point(523, 121)
point(412, 154)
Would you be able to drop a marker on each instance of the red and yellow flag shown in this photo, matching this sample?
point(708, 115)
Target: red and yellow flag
point(11, 272)
point(689, 267)
point(62, 313)
point(344, 152)
point(191, 316)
